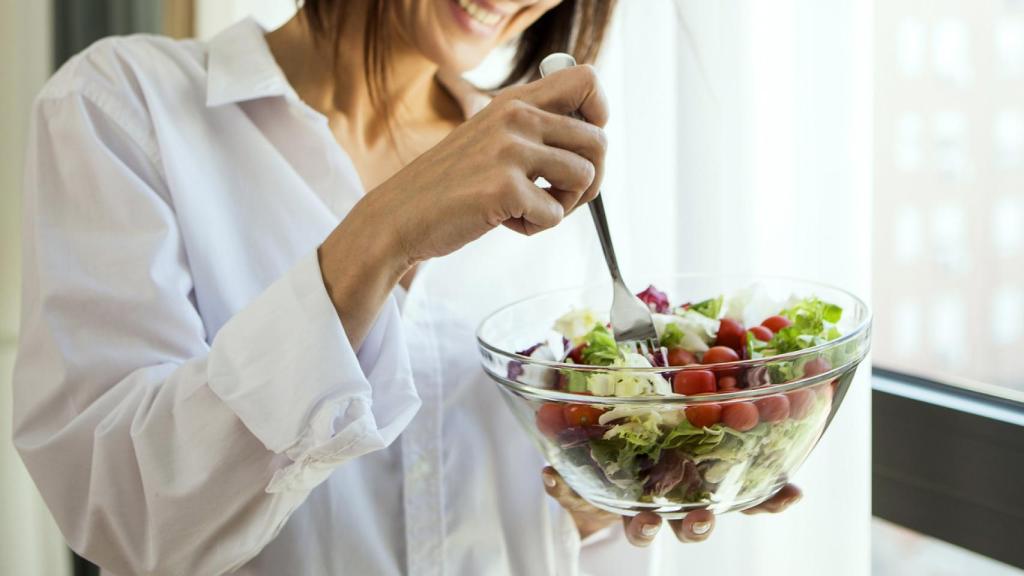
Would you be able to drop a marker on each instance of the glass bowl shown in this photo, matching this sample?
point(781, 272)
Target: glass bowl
point(779, 409)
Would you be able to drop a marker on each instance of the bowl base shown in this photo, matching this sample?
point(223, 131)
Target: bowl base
point(676, 511)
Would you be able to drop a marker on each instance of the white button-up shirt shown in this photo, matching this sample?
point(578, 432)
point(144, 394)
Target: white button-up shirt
point(186, 398)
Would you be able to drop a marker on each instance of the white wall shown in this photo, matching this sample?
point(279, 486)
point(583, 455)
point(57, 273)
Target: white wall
point(214, 15)
point(29, 540)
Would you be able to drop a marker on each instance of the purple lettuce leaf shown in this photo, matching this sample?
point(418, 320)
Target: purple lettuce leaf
point(672, 470)
point(655, 299)
point(578, 435)
point(515, 367)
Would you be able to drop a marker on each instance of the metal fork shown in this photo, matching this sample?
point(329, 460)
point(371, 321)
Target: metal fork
point(631, 319)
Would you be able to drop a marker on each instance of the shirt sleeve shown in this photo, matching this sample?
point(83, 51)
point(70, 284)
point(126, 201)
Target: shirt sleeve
point(157, 449)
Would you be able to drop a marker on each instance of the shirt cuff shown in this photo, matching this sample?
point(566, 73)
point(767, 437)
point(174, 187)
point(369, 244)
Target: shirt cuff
point(285, 367)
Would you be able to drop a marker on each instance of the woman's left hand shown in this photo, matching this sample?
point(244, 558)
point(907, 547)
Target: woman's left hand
point(642, 528)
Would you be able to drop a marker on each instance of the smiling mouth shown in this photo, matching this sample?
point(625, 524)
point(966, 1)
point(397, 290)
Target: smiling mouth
point(480, 13)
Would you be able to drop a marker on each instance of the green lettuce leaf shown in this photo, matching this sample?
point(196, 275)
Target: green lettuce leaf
point(813, 324)
point(711, 307)
point(672, 337)
point(601, 349)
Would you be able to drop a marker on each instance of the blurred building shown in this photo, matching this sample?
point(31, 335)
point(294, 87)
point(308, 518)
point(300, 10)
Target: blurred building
point(949, 189)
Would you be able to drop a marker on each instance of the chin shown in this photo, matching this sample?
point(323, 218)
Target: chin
point(464, 32)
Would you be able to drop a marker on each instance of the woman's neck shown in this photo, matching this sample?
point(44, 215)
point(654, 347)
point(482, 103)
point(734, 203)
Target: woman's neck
point(335, 83)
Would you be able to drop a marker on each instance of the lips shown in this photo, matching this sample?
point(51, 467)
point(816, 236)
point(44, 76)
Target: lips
point(480, 12)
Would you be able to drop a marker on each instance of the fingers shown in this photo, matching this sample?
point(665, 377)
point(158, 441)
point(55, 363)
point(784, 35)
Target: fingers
point(571, 153)
point(694, 527)
point(586, 140)
point(567, 91)
point(784, 498)
point(568, 152)
point(535, 209)
point(560, 491)
point(570, 174)
point(642, 528)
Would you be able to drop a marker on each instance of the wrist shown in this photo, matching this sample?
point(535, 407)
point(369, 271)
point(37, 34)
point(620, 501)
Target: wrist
point(361, 262)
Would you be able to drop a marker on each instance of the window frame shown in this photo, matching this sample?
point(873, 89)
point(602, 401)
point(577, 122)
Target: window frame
point(928, 438)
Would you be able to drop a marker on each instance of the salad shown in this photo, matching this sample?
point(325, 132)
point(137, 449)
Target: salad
point(655, 452)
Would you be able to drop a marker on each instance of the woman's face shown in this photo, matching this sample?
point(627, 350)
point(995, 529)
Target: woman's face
point(459, 34)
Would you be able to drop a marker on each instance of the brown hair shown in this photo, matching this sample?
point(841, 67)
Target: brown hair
point(574, 26)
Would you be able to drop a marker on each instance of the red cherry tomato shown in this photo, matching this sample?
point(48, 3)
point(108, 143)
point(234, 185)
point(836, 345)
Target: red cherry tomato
point(817, 366)
point(773, 408)
point(727, 384)
point(680, 357)
point(719, 354)
point(776, 323)
point(740, 416)
point(761, 333)
point(581, 415)
point(800, 402)
point(731, 334)
point(577, 353)
point(551, 419)
point(692, 382)
point(704, 415)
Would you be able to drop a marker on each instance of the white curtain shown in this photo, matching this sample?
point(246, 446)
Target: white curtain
point(29, 540)
point(741, 142)
point(214, 15)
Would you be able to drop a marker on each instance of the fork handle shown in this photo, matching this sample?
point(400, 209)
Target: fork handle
point(604, 235)
point(553, 63)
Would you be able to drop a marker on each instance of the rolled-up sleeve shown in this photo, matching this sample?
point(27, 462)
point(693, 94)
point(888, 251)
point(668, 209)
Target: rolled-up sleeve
point(289, 349)
point(157, 449)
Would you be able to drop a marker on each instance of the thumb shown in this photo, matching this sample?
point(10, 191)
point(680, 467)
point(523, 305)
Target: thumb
point(556, 487)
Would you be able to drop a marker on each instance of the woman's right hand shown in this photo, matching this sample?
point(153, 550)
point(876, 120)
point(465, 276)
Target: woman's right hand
point(479, 177)
point(482, 175)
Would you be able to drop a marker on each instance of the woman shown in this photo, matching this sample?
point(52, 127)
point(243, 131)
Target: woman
point(233, 358)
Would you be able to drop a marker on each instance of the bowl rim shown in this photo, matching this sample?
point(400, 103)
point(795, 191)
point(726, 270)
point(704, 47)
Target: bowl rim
point(673, 399)
point(861, 329)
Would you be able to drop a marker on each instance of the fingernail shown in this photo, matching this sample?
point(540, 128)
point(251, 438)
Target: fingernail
point(701, 528)
point(549, 480)
point(793, 500)
point(649, 530)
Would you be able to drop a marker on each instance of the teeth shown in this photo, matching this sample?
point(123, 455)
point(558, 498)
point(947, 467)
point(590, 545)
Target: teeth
point(479, 13)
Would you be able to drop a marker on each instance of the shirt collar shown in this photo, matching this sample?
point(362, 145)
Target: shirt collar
point(240, 66)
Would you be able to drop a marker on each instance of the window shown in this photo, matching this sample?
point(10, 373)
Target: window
point(948, 261)
point(949, 190)
point(78, 24)
point(920, 554)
